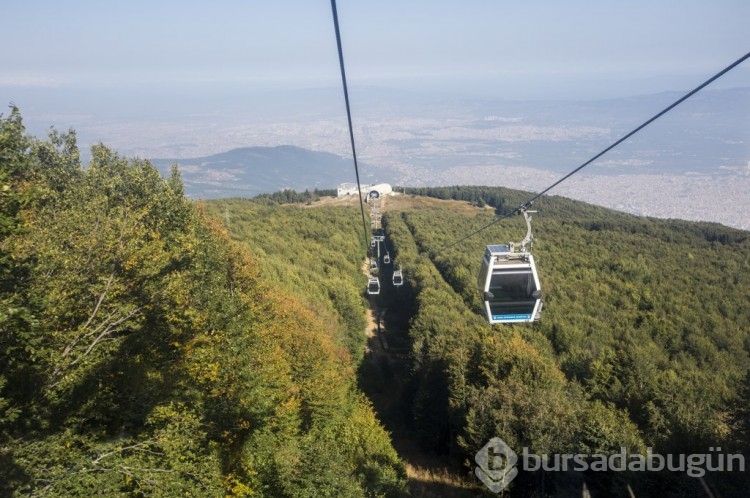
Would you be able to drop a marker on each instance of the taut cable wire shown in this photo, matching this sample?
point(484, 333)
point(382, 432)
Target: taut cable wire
point(349, 116)
point(600, 154)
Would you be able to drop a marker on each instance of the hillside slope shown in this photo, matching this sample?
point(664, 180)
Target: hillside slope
point(147, 350)
point(249, 171)
point(643, 342)
point(143, 353)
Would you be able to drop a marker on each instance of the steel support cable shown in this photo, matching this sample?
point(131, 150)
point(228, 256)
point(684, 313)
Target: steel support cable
point(600, 154)
point(349, 117)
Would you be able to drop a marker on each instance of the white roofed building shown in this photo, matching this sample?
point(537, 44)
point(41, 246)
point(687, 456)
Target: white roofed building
point(376, 190)
point(346, 189)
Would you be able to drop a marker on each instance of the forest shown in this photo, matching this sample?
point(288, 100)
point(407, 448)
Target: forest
point(643, 343)
point(155, 346)
point(144, 353)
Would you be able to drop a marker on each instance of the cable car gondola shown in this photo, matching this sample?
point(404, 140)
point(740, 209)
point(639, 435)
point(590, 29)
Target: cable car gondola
point(505, 274)
point(387, 258)
point(509, 282)
point(373, 286)
point(398, 278)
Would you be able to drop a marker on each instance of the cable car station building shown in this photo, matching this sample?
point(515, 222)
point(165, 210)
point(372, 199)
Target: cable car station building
point(376, 190)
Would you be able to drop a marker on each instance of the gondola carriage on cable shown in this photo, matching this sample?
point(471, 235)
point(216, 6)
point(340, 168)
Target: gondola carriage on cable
point(373, 286)
point(387, 259)
point(509, 282)
point(398, 278)
point(508, 278)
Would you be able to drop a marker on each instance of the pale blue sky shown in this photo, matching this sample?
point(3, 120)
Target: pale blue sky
point(290, 43)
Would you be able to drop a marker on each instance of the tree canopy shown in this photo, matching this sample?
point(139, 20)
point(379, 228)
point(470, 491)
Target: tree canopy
point(155, 346)
point(144, 353)
point(643, 342)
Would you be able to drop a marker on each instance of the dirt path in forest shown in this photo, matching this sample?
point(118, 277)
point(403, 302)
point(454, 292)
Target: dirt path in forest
point(428, 475)
point(387, 371)
point(374, 345)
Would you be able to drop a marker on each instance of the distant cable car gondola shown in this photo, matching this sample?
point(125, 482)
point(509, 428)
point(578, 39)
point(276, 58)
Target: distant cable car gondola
point(373, 265)
point(387, 258)
point(509, 282)
point(373, 286)
point(398, 278)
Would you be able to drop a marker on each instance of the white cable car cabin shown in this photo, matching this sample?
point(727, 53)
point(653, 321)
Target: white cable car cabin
point(509, 282)
point(373, 286)
point(387, 258)
point(510, 286)
point(398, 278)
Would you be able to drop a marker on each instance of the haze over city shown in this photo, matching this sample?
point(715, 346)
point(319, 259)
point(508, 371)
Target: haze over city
point(183, 80)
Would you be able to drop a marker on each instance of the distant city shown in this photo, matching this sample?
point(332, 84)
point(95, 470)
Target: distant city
point(693, 163)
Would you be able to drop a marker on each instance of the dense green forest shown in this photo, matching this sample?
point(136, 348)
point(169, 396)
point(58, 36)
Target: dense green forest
point(143, 353)
point(154, 346)
point(643, 342)
point(288, 196)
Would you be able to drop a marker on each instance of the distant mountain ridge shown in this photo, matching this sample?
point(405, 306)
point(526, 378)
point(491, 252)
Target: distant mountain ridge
point(249, 171)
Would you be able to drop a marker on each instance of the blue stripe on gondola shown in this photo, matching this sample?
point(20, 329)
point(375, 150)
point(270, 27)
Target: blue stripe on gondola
point(511, 317)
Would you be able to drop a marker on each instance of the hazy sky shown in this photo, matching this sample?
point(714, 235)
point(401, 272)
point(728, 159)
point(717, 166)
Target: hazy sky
point(185, 78)
point(291, 43)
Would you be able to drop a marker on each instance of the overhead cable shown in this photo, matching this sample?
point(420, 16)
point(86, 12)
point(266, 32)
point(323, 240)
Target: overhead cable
point(349, 115)
point(600, 154)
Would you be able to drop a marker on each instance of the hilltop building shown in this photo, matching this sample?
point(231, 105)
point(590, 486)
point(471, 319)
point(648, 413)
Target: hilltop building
point(376, 190)
point(346, 189)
